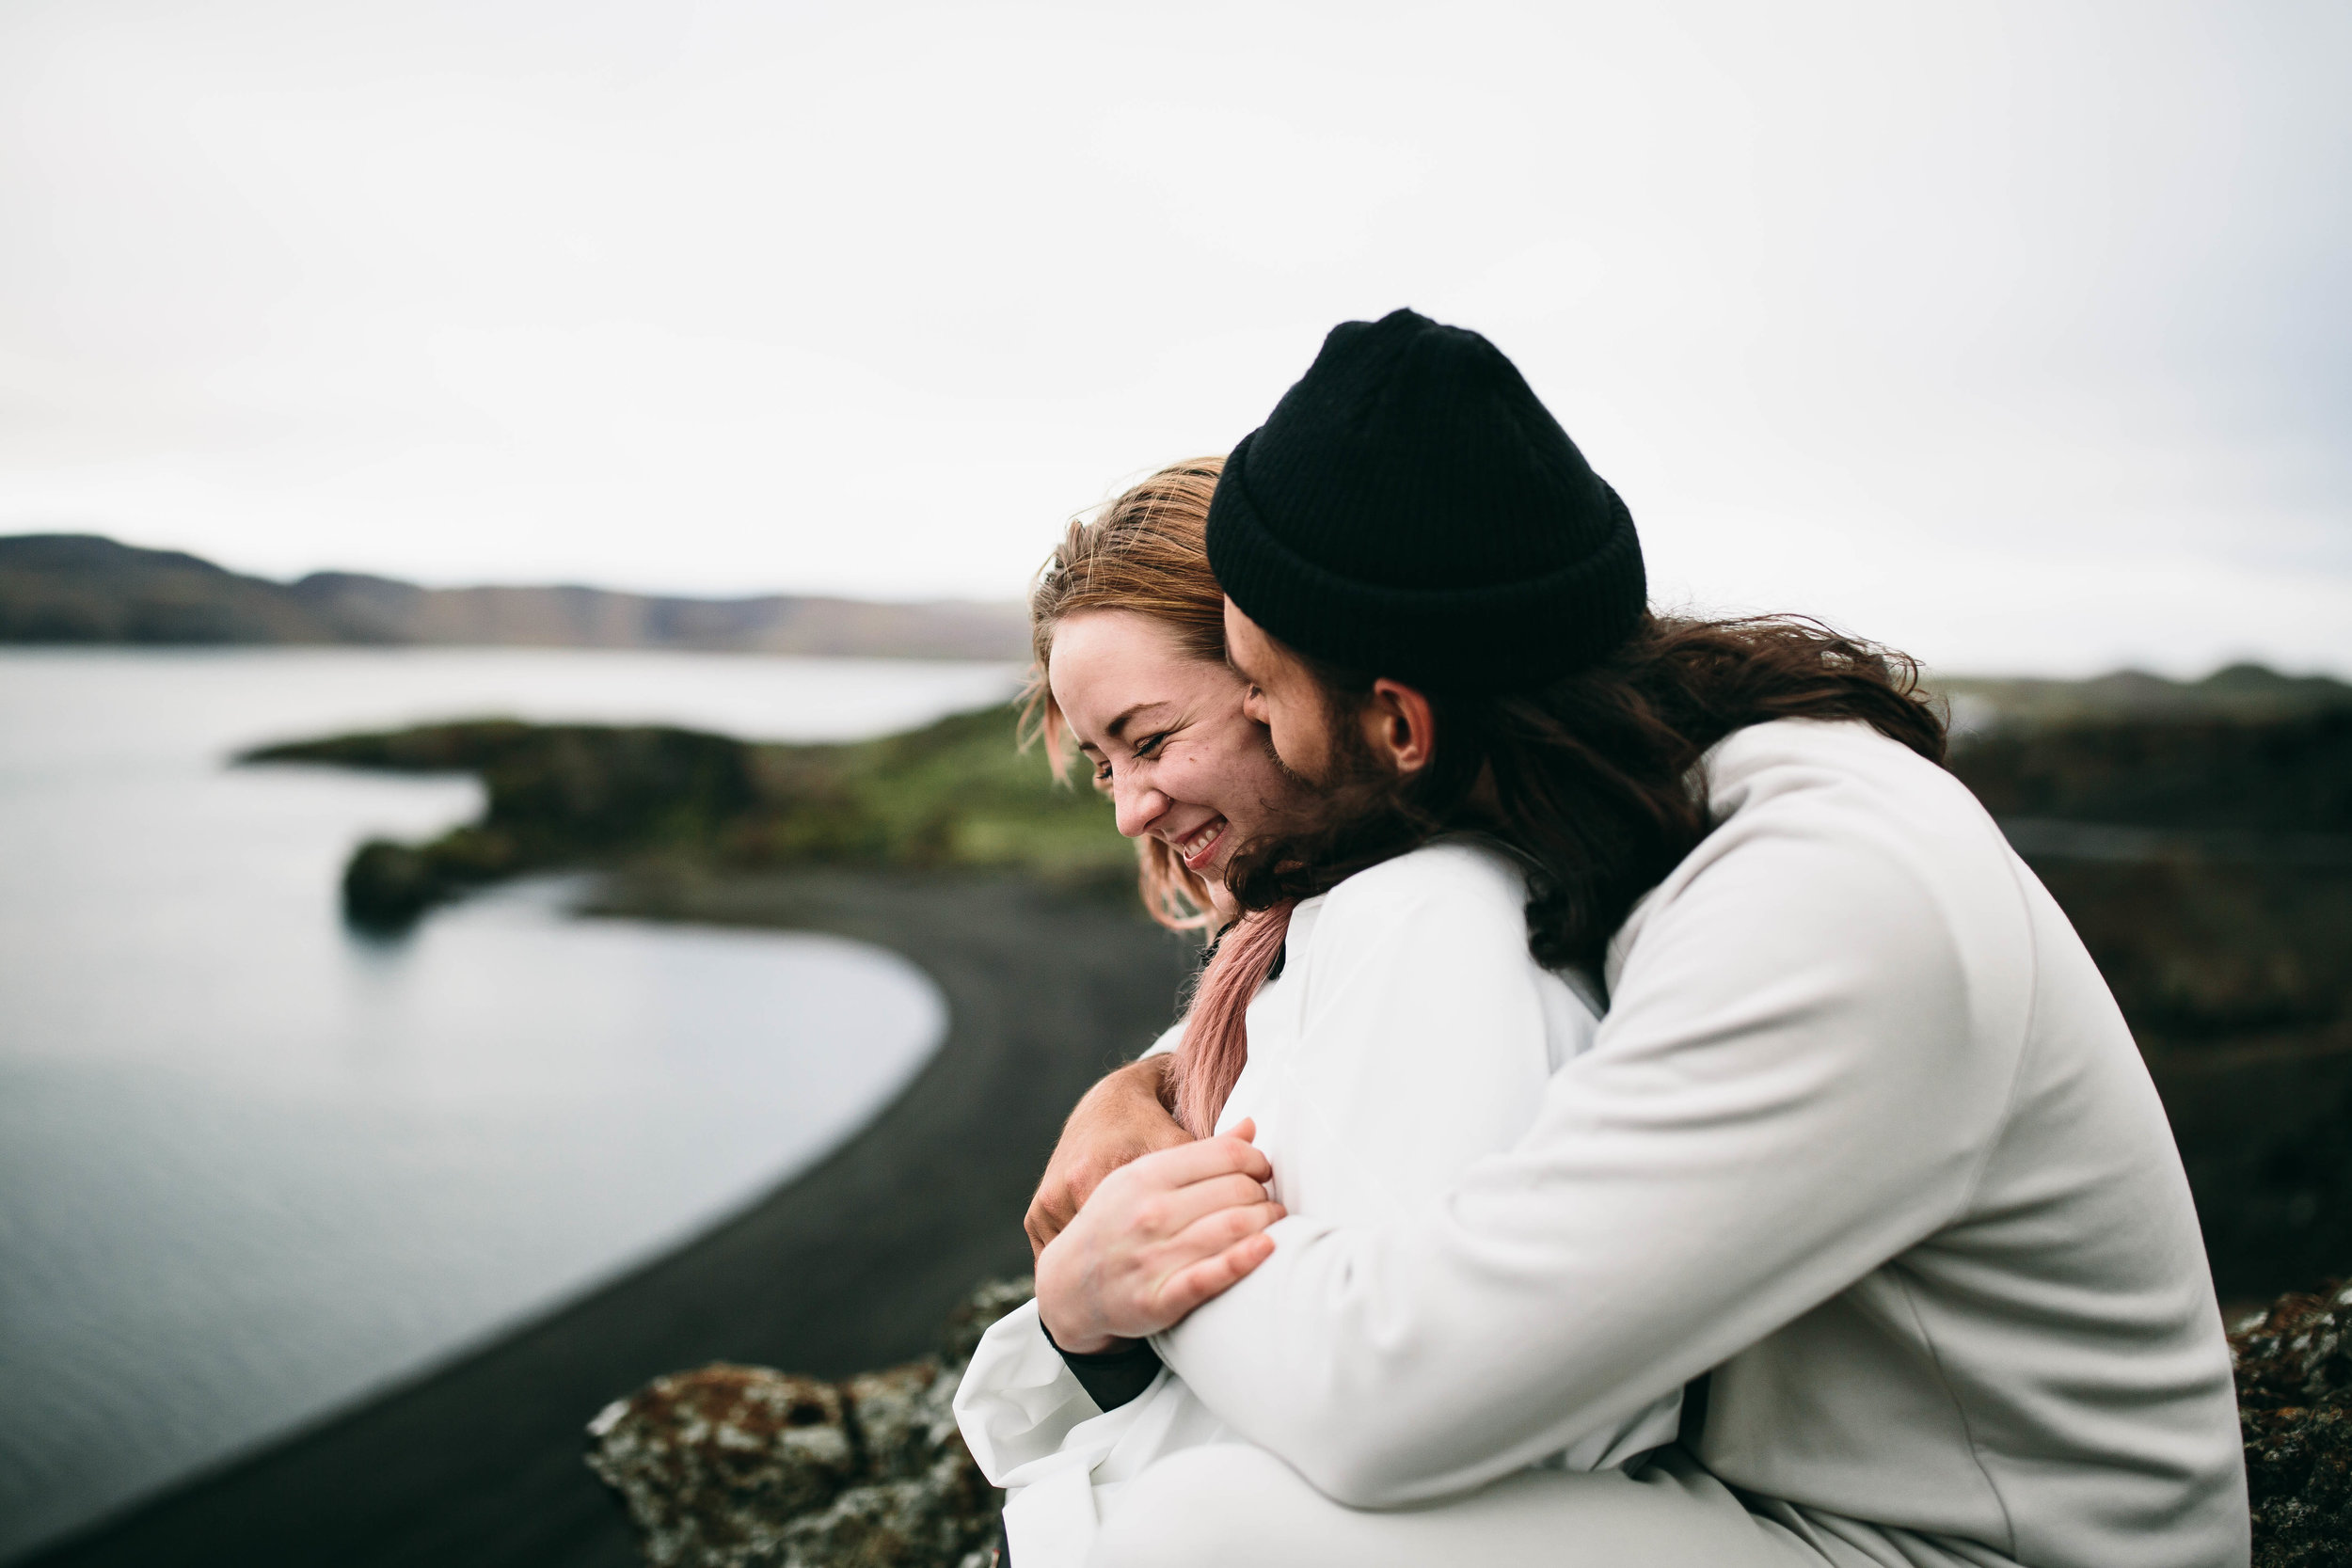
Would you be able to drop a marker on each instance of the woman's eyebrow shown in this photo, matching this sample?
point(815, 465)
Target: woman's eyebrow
point(1115, 727)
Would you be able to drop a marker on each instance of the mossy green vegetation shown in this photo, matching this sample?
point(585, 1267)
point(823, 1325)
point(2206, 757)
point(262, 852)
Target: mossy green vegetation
point(956, 794)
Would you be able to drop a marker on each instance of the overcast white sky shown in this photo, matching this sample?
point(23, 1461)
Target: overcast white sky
point(2016, 335)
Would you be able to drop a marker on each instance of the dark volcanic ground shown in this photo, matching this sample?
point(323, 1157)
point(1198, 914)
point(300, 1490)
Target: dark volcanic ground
point(851, 1265)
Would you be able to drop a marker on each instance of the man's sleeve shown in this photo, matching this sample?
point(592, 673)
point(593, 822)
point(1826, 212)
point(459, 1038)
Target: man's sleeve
point(1783, 1097)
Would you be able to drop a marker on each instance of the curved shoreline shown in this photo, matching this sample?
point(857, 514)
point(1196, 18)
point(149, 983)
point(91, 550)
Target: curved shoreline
point(849, 1266)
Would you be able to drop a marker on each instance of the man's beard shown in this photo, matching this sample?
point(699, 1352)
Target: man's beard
point(1357, 814)
point(1350, 769)
point(1348, 758)
point(1302, 786)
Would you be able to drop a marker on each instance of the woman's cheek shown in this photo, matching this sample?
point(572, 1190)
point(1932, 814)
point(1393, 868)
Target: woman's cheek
point(1181, 780)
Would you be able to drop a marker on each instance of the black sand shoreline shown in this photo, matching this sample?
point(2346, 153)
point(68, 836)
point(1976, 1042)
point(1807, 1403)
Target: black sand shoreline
point(852, 1264)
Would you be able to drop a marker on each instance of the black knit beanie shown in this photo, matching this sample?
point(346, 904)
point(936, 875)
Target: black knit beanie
point(1410, 510)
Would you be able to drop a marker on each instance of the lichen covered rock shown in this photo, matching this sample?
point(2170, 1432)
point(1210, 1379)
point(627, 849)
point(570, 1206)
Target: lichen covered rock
point(746, 1467)
point(2295, 1408)
point(903, 1416)
point(712, 1462)
point(947, 1517)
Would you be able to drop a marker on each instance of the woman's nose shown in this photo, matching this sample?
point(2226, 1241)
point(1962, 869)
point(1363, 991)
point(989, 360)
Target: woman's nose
point(1135, 807)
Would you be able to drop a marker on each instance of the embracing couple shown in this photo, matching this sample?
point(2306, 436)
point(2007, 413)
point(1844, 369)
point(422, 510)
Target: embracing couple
point(1638, 1110)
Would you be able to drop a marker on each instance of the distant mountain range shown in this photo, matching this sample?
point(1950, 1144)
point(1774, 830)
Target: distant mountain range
point(63, 588)
point(81, 588)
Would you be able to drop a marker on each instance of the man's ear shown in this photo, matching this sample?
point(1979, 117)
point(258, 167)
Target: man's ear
point(1399, 727)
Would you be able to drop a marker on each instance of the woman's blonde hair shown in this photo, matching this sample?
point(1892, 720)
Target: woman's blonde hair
point(1144, 551)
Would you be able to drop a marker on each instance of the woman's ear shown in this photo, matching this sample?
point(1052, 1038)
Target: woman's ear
point(1399, 727)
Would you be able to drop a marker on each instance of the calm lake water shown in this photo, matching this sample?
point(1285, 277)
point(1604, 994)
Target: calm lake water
point(252, 1167)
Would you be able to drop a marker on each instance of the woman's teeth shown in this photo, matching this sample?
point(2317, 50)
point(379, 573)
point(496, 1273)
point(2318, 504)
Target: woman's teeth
point(1193, 845)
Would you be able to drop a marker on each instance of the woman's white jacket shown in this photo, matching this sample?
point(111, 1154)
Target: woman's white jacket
point(1409, 1037)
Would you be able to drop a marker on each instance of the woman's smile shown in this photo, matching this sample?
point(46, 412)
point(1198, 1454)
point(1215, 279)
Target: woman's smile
point(1200, 846)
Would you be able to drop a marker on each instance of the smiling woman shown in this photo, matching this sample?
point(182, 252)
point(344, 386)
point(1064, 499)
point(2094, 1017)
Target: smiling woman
point(1129, 635)
point(1128, 631)
point(1165, 736)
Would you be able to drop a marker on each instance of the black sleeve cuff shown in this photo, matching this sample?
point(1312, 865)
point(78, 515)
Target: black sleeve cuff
point(1113, 1377)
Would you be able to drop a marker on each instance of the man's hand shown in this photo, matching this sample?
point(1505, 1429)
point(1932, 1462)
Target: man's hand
point(1120, 1119)
point(1159, 1237)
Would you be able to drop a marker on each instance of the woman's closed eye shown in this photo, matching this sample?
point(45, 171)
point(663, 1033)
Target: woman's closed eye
point(1143, 751)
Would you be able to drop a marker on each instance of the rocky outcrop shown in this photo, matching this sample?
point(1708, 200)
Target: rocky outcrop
point(956, 794)
point(745, 1467)
point(2294, 1407)
point(559, 795)
point(748, 1467)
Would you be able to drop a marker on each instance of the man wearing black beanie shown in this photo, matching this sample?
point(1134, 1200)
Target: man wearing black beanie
point(1861, 1150)
point(1410, 509)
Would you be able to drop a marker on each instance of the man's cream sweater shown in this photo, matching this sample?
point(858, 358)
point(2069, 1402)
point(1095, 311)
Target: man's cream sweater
point(1864, 1133)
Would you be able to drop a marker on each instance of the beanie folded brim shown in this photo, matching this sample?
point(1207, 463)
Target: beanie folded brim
point(1491, 637)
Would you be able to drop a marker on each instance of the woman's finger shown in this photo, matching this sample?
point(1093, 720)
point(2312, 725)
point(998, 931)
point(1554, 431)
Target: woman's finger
point(1211, 1278)
point(1222, 1227)
point(1170, 1214)
point(1240, 1143)
point(1187, 1162)
point(1213, 1234)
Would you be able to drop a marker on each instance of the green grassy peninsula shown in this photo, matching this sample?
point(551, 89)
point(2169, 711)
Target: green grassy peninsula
point(956, 794)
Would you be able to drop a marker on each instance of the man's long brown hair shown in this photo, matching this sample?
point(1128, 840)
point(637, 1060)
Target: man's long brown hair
point(1592, 781)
